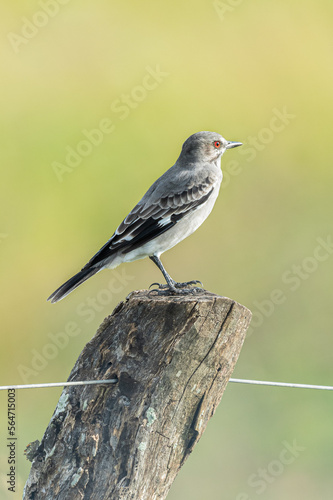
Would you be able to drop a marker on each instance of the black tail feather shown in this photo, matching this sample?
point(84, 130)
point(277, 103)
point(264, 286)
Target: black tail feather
point(72, 283)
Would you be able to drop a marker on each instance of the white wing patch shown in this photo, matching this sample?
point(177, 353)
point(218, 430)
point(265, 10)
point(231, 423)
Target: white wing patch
point(146, 222)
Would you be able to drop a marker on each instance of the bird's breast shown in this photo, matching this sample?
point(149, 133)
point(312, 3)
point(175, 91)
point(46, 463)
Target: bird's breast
point(182, 229)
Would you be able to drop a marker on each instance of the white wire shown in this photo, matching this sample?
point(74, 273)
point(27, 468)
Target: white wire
point(114, 381)
point(58, 384)
point(281, 384)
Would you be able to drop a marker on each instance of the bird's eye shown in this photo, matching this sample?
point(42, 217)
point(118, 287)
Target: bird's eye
point(217, 144)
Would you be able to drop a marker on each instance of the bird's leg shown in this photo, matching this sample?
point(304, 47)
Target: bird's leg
point(172, 285)
point(170, 282)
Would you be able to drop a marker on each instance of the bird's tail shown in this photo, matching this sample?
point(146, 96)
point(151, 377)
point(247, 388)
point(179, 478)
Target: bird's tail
point(72, 283)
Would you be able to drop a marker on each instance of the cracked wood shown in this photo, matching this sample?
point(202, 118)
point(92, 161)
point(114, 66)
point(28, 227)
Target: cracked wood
point(173, 357)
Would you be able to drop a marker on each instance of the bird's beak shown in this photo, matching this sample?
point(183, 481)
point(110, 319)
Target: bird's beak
point(231, 145)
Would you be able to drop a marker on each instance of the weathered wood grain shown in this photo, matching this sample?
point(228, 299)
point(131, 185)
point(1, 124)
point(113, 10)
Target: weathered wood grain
point(173, 356)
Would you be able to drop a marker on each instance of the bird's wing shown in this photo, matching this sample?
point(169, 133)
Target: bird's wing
point(147, 221)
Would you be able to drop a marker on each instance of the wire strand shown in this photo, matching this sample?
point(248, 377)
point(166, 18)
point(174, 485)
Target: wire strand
point(281, 384)
point(114, 381)
point(58, 384)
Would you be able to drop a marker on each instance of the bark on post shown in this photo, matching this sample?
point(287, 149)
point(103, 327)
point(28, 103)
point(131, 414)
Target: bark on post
point(173, 357)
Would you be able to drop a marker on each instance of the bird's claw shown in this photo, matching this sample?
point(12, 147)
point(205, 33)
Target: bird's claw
point(187, 284)
point(185, 288)
point(159, 285)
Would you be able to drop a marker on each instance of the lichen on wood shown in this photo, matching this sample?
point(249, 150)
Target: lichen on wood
point(173, 357)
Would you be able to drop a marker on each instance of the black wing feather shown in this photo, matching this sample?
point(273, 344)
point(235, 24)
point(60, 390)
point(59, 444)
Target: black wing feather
point(144, 224)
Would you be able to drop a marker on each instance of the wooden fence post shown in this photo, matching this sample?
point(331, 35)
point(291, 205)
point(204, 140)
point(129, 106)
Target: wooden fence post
point(173, 357)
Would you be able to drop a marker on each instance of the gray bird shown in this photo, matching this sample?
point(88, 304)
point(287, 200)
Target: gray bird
point(172, 209)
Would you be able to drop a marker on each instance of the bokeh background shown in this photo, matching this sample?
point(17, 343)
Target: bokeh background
point(149, 74)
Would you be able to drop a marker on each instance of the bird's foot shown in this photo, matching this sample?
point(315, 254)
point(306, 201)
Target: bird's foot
point(174, 288)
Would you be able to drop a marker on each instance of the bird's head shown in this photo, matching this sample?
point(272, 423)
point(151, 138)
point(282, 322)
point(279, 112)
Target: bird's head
point(205, 146)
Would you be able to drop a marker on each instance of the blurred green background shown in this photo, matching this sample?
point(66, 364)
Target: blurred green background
point(258, 72)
